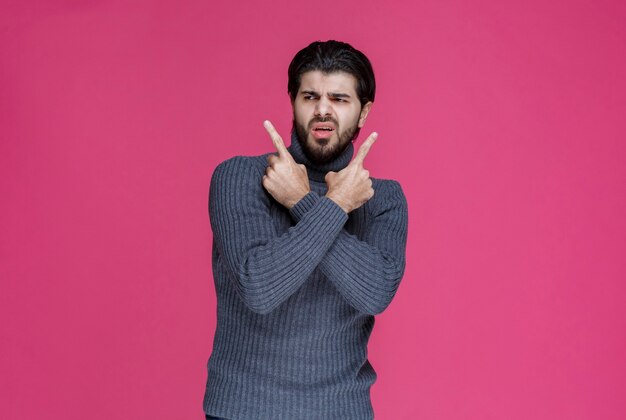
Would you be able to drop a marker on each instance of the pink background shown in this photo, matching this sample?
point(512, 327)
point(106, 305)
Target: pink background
point(503, 121)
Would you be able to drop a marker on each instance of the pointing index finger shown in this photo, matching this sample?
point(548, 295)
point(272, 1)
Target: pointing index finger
point(365, 148)
point(276, 139)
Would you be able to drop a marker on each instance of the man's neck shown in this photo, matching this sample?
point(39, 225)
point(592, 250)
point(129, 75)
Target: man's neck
point(315, 171)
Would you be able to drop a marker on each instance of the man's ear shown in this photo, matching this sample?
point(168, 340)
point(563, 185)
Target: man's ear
point(364, 111)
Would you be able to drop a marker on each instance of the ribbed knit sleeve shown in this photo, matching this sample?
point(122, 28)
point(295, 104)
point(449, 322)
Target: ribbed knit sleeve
point(368, 272)
point(266, 267)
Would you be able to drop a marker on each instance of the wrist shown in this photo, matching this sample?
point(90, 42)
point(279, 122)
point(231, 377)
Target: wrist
point(337, 201)
point(295, 201)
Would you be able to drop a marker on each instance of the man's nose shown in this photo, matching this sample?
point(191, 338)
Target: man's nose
point(323, 107)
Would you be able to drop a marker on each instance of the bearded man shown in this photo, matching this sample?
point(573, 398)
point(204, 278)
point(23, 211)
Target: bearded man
point(307, 249)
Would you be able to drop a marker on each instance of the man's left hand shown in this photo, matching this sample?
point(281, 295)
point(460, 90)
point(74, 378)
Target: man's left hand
point(285, 179)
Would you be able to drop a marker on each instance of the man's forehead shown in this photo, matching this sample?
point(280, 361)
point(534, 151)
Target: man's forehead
point(337, 81)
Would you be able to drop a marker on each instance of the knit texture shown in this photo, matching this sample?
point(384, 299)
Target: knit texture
point(297, 291)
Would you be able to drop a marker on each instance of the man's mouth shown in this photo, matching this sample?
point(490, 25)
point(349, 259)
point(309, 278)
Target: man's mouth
point(322, 130)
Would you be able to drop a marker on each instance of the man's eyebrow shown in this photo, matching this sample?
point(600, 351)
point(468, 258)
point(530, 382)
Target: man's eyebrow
point(339, 95)
point(333, 94)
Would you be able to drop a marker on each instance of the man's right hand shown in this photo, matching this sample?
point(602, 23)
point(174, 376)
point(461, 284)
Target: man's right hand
point(351, 187)
point(285, 179)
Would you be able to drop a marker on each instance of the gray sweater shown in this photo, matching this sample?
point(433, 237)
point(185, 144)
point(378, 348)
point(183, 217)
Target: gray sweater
point(297, 291)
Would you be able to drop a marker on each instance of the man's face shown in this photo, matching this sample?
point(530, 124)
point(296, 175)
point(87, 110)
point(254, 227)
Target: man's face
point(327, 114)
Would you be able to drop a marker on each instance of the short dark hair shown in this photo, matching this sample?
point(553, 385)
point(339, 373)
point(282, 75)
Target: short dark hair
point(329, 57)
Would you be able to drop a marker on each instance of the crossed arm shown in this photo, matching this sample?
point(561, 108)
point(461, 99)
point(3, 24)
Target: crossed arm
point(268, 267)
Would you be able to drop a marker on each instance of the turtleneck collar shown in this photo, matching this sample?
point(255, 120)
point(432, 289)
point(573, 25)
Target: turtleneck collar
point(318, 172)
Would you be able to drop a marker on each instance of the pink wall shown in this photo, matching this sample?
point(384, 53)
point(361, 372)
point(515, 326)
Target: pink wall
point(504, 122)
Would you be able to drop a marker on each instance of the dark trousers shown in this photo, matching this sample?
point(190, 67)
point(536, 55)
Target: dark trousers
point(214, 418)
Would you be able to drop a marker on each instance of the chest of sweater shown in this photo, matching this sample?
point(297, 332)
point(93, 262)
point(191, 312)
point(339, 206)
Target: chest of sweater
point(357, 219)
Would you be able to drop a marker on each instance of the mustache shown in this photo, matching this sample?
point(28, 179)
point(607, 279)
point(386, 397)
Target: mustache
point(322, 120)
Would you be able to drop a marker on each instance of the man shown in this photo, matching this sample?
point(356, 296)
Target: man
point(307, 248)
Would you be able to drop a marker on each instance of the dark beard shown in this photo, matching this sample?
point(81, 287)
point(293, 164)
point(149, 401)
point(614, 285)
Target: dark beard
point(325, 154)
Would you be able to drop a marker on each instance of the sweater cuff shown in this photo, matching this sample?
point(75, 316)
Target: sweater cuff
point(304, 205)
